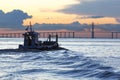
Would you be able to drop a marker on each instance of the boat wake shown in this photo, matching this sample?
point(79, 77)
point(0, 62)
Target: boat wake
point(53, 65)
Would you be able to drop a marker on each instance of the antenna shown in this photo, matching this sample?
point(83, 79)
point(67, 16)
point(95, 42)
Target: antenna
point(30, 26)
point(27, 28)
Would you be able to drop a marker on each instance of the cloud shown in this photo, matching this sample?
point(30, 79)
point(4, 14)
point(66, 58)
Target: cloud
point(87, 17)
point(76, 26)
point(13, 19)
point(109, 27)
point(118, 20)
point(108, 8)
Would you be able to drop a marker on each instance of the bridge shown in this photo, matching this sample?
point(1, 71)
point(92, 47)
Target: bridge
point(41, 34)
point(112, 35)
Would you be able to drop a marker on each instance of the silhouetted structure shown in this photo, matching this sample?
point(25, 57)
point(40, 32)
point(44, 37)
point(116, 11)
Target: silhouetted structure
point(31, 41)
point(92, 32)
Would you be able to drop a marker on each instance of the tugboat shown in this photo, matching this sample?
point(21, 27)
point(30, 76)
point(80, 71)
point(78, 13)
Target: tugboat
point(31, 41)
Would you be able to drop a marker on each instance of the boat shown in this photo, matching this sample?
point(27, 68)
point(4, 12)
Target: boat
point(32, 42)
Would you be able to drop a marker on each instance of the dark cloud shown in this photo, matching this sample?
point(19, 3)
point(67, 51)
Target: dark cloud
point(13, 19)
point(76, 26)
point(118, 20)
point(108, 8)
point(87, 17)
point(109, 27)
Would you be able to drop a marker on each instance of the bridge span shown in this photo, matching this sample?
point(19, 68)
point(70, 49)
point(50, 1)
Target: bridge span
point(113, 35)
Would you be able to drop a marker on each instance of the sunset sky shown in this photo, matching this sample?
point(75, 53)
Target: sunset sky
point(66, 11)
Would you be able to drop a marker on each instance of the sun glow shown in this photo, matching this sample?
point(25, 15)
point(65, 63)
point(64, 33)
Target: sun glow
point(44, 11)
point(106, 20)
point(33, 5)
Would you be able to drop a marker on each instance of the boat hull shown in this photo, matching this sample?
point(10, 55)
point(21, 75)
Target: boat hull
point(31, 50)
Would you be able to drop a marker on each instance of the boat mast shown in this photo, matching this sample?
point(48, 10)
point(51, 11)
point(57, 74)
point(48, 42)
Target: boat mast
point(30, 27)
